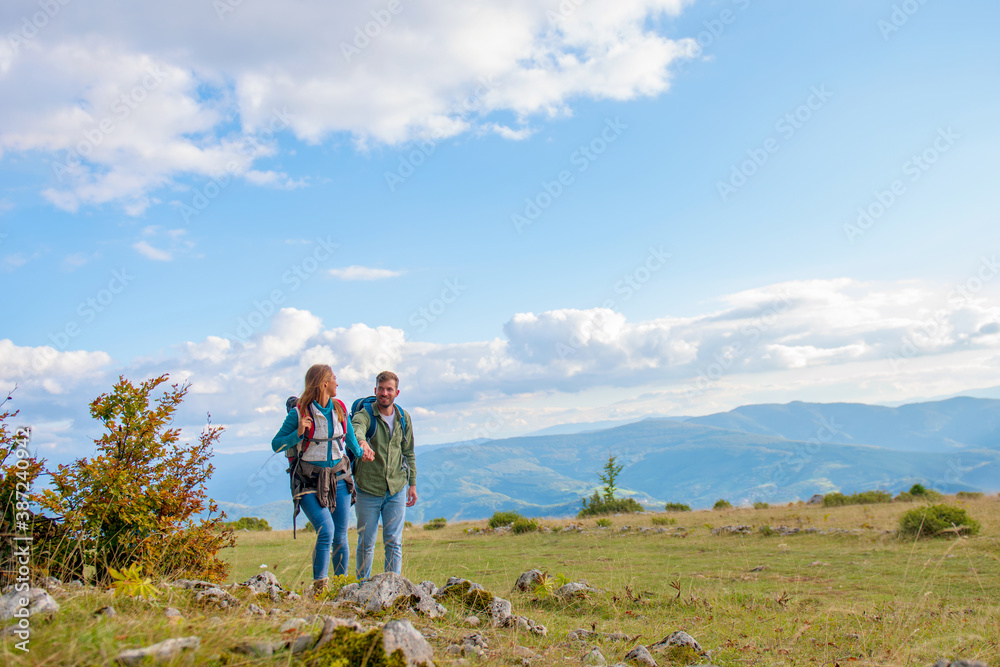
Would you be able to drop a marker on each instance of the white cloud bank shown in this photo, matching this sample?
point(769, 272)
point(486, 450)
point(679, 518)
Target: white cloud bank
point(126, 97)
point(807, 340)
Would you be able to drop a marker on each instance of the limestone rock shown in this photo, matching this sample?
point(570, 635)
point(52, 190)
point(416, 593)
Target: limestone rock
point(162, 651)
point(594, 657)
point(429, 587)
point(106, 612)
point(217, 597)
point(472, 621)
point(254, 648)
point(959, 663)
point(574, 589)
point(733, 530)
point(265, 583)
point(640, 655)
point(37, 600)
point(292, 624)
point(400, 634)
point(384, 591)
point(677, 638)
point(528, 580)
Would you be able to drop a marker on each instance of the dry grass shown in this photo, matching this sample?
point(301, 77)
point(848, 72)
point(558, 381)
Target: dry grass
point(866, 599)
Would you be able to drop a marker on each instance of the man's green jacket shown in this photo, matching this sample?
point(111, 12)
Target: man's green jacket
point(386, 474)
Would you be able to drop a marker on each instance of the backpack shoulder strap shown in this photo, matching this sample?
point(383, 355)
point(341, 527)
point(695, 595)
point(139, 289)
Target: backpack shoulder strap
point(372, 423)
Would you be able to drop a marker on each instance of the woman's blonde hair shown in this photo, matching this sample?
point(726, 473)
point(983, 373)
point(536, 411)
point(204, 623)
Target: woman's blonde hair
point(315, 377)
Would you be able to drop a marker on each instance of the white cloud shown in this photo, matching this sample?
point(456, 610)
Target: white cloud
point(805, 340)
point(150, 252)
point(129, 97)
point(363, 273)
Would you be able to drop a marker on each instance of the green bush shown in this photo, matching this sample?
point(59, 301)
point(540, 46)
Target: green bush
point(837, 499)
point(603, 522)
point(436, 524)
point(918, 492)
point(524, 525)
point(722, 504)
point(677, 507)
point(598, 505)
point(969, 495)
point(664, 521)
point(761, 506)
point(250, 523)
point(937, 521)
point(407, 524)
point(504, 518)
point(308, 528)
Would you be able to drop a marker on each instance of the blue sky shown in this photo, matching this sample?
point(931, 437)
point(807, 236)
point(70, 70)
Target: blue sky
point(702, 251)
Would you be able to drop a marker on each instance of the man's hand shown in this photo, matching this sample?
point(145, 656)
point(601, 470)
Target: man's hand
point(411, 497)
point(367, 453)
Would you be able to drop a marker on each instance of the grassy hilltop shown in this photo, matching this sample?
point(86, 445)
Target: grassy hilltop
point(862, 597)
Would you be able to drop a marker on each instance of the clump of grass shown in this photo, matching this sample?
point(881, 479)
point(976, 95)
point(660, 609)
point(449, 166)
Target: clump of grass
point(524, 525)
point(677, 507)
point(504, 518)
point(407, 524)
point(838, 499)
point(969, 495)
point(436, 523)
point(603, 522)
point(937, 521)
point(598, 505)
point(761, 506)
point(722, 504)
point(664, 521)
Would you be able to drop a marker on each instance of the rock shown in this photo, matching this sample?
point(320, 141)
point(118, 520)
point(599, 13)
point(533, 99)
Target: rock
point(300, 643)
point(265, 583)
point(386, 591)
point(526, 624)
point(275, 611)
point(37, 600)
point(594, 657)
point(215, 620)
point(457, 585)
point(733, 530)
point(640, 655)
point(171, 611)
point(293, 597)
point(528, 580)
point(106, 612)
point(292, 624)
point(163, 651)
point(254, 610)
point(472, 621)
point(959, 663)
point(330, 624)
point(400, 634)
point(192, 584)
point(51, 582)
point(575, 589)
point(256, 649)
point(500, 611)
point(429, 587)
point(217, 597)
point(759, 568)
point(677, 638)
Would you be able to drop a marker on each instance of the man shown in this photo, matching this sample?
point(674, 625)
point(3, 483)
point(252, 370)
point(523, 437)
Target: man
point(388, 484)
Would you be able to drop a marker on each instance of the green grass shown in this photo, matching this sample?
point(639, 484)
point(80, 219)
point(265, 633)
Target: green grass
point(864, 598)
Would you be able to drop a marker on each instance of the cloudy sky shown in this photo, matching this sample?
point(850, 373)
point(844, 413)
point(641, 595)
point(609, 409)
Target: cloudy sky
point(536, 212)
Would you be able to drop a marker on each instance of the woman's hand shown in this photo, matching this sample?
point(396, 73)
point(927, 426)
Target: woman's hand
point(304, 424)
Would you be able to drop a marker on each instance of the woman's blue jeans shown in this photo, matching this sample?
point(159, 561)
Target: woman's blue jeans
point(331, 532)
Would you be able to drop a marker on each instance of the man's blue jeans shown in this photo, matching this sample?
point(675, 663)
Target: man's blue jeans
point(392, 509)
point(331, 532)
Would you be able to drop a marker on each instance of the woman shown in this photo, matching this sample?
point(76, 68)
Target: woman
point(321, 474)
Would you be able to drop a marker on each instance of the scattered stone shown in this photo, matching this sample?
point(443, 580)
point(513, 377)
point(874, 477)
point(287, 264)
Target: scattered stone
point(526, 624)
point(51, 582)
point(574, 589)
point(594, 657)
point(528, 581)
point(292, 625)
point(640, 655)
point(171, 611)
point(429, 587)
point(472, 621)
point(499, 610)
point(400, 634)
point(300, 643)
point(733, 530)
point(389, 590)
point(217, 597)
point(759, 568)
point(959, 663)
point(275, 611)
point(215, 620)
point(265, 583)
point(162, 651)
point(37, 600)
point(256, 649)
point(818, 563)
point(457, 585)
point(106, 612)
point(254, 610)
point(524, 653)
point(192, 584)
point(677, 638)
point(293, 597)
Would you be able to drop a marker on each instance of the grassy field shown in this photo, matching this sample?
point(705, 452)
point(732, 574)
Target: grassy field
point(859, 598)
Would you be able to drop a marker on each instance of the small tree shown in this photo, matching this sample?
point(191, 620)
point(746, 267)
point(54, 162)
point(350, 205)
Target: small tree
point(611, 472)
point(136, 500)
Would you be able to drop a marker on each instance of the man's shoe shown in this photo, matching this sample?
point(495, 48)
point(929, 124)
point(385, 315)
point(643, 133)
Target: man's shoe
point(319, 585)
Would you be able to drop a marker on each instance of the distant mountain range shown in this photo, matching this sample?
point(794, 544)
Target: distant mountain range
point(770, 453)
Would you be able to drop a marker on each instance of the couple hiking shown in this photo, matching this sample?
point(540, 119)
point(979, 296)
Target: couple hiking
point(321, 440)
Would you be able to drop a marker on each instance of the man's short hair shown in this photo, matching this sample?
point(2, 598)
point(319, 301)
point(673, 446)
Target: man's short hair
point(385, 376)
